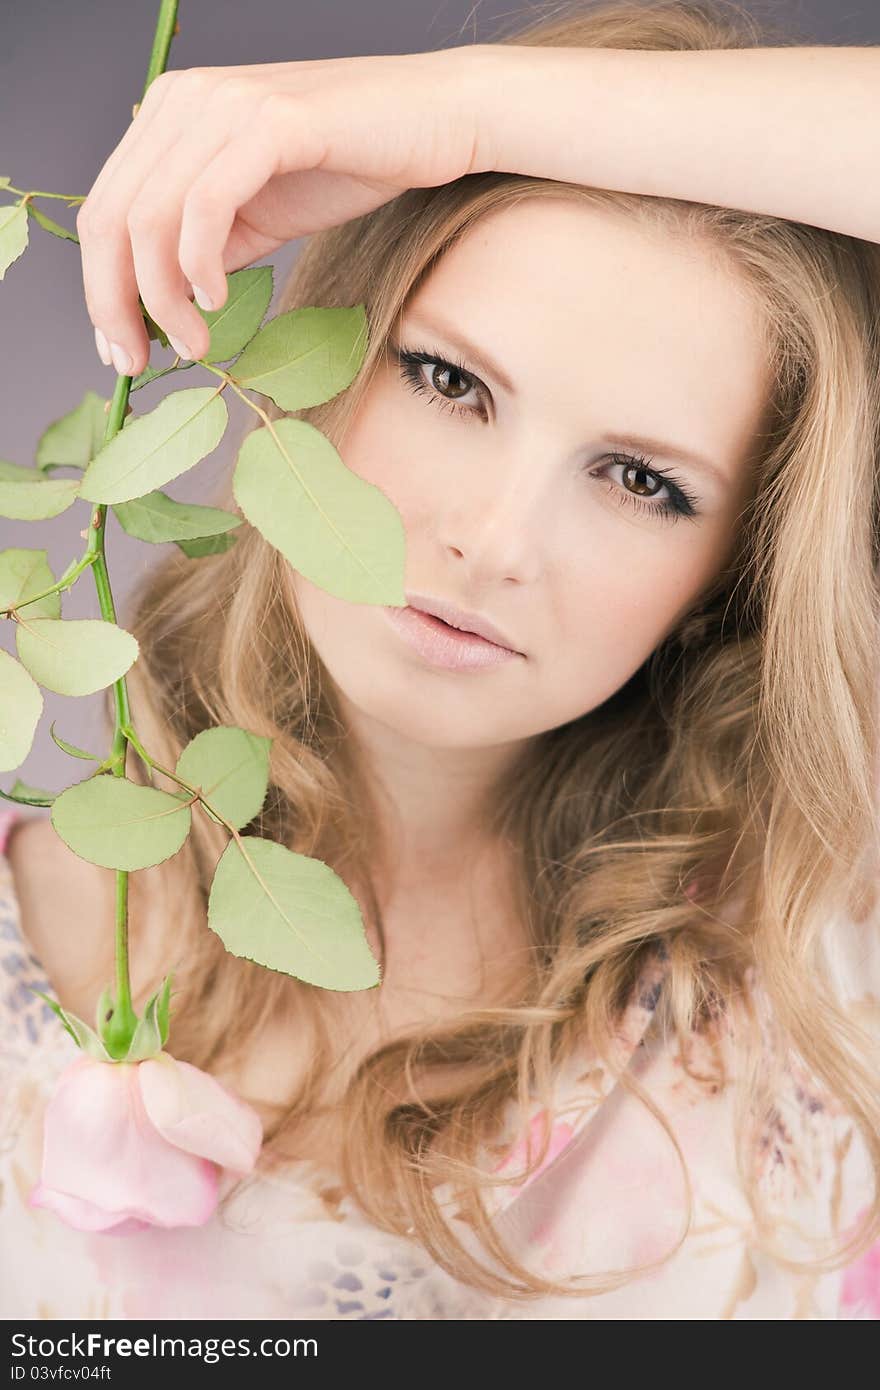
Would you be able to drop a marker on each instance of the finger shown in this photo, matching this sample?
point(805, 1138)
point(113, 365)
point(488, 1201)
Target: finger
point(154, 227)
point(110, 290)
point(108, 271)
point(235, 174)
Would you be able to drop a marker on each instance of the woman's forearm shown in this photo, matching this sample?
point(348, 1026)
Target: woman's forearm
point(791, 132)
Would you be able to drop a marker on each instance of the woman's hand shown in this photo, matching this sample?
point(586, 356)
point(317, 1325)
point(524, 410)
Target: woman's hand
point(221, 166)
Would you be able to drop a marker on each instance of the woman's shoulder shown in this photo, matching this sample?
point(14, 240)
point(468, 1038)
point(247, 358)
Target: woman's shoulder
point(56, 928)
point(25, 1018)
point(56, 905)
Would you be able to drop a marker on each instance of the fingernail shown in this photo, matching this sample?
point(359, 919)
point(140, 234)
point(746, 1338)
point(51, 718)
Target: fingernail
point(103, 347)
point(121, 359)
point(180, 348)
point(203, 300)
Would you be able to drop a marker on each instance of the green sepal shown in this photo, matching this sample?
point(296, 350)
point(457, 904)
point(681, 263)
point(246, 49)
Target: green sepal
point(84, 1037)
point(103, 1011)
point(147, 1037)
point(151, 1033)
point(163, 1008)
point(147, 1040)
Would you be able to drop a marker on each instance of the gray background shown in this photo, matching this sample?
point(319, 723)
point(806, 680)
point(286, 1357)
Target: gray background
point(70, 71)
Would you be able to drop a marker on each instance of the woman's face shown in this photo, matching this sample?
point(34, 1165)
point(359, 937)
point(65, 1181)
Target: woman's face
point(518, 497)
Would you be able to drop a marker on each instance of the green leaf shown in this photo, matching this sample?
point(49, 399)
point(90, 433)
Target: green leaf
point(154, 332)
point(82, 1034)
point(54, 227)
point(22, 573)
point(24, 795)
point(290, 913)
point(207, 545)
point(249, 293)
point(25, 495)
point(306, 356)
point(231, 766)
point(75, 656)
point(76, 437)
point(21, 704)
point(338, 530)
point(13, 234)
point(71, 748)
point(153, 449)
point(115, 823)
point(158, 517)
point(5, 182)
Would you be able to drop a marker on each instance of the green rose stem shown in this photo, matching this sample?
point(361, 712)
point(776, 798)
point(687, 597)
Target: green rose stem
point(120, 1027)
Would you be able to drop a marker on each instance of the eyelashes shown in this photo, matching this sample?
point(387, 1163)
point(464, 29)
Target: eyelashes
point(680, 503)
point(410, 363)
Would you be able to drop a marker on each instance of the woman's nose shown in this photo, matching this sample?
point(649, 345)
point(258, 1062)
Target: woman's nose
point(501, 524)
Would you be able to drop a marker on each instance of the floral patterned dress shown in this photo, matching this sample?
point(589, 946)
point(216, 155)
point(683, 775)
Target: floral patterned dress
point(608, 1196)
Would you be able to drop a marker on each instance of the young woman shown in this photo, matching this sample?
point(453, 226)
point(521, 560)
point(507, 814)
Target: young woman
point(622, 276)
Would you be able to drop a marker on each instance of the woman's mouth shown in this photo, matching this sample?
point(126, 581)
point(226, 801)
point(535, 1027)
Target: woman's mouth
point(448, 648)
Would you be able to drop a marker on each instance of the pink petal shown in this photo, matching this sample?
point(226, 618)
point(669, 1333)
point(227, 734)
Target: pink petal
point(860, 1288)
point(528, 1145)
point(99, 1147)
point(195, 1112)
point(82, 1215)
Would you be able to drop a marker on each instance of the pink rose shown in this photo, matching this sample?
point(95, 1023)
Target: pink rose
point(860, 1288)
point(127, 1145)
point(527, 1148)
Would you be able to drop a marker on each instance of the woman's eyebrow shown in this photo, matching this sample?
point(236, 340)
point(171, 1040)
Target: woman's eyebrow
point(457, 339)
point(659, 447)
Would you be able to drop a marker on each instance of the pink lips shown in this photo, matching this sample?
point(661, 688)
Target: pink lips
point(446, 647)
point(460, 618)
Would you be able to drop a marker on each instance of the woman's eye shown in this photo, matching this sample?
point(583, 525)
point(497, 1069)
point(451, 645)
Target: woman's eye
point(636, 477)
point(450, 382)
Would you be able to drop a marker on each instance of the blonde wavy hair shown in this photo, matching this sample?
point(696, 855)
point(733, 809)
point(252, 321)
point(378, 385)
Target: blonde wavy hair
point(755, 722)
